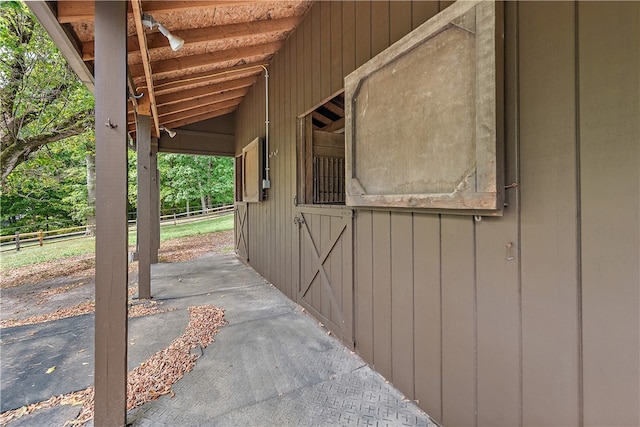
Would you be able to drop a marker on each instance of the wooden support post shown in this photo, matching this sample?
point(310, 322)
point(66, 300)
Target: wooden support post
point(17, 240)
point(155, 202)
point(41, 237)
point(143, 144)
point(111, 214)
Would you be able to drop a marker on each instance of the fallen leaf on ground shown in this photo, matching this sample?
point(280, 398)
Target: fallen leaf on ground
point(51, 369)
point(153, 378)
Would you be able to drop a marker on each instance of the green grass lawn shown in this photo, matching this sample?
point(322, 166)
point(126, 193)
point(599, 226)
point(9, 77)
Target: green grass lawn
point(57, 250)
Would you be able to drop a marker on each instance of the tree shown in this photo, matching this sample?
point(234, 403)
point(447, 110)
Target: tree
point(185, 178)
point(48, 191)
point(42, 99)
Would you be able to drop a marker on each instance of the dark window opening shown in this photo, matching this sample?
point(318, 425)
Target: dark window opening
point(321, 154)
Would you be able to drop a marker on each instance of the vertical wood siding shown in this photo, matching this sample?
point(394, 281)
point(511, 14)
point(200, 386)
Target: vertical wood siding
point(609, 91)
point(549, 245)
point(527, 319)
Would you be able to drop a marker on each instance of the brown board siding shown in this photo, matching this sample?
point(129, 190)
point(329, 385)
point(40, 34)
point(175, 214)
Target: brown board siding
point(458, 320)
point(427, 313)
point(549, 211)
point(497, 275)
point(402, 309)
point(381, 259)
point(363, 265)
point(531, 318)
point(609, 193)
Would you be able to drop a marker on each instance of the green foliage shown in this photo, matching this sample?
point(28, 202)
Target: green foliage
point(185, 177)
point(42, 99)
point(46, 132)
point(49, 191)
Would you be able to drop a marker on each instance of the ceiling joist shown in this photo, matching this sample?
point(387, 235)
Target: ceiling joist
point(181, 115)
point(187, 103)
point(202, 117)
point(208, 59)
point(172, 85)
point(200, 92)
point(211, 102)
point(203, 35)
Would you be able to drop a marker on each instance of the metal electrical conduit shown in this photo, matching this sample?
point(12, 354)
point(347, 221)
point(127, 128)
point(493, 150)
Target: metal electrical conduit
point(266, 183)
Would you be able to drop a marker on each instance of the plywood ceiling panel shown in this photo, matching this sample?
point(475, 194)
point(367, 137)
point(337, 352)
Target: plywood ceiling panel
point(227, 45)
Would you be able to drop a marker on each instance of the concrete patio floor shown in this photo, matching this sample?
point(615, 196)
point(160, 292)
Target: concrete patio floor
point(271, 365)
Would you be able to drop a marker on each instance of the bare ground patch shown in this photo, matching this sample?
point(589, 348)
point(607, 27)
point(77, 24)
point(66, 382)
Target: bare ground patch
point(175, 250)
point(54, 290)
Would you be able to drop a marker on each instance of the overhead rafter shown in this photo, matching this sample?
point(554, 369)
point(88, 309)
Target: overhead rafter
point(163, 87)
point(181, 115)
point(210, 101)
point(205, 90)
point(207, 59)
point(322, 119)
point(137, 15)
point(202, 35)
point(184, 119)
point(206, 116)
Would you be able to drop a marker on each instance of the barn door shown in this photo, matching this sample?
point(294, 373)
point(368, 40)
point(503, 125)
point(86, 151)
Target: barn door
point(325, 288)
point(241, 229)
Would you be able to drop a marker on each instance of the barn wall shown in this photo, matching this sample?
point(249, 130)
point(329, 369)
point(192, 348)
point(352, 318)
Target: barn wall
point(542, 332)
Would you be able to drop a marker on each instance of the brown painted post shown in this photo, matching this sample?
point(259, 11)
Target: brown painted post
point(41, 237)
point(143, 134)
point(111, 213)
point(155, 202)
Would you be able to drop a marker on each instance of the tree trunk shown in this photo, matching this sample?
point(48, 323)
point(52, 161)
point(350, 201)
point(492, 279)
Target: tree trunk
point(91, 192)
point(203, 199)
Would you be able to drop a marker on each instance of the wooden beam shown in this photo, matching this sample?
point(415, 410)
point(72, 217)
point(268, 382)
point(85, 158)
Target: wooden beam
point(322, 119)
point(332, 127)
point(155, 202)
point(209, 102)
point(200, 118)
point(75, 11)
point(111, 277)
point(156, 40)
point(335, 109)
point(173, 117)
point(206, 78)
point(205, 100)
point(208, 59)
point(142, 42)
point(202, 91)
point(143, 148)
point(194, 142)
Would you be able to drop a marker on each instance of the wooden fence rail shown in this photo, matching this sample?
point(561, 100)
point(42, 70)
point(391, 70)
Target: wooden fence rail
point(39, 238)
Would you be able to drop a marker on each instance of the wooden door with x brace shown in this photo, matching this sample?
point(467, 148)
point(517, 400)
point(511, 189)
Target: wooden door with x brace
point(325, 287)
point(241, 229)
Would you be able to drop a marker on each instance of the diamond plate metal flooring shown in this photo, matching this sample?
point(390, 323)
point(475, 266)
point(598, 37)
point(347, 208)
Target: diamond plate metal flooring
point(271, 365)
